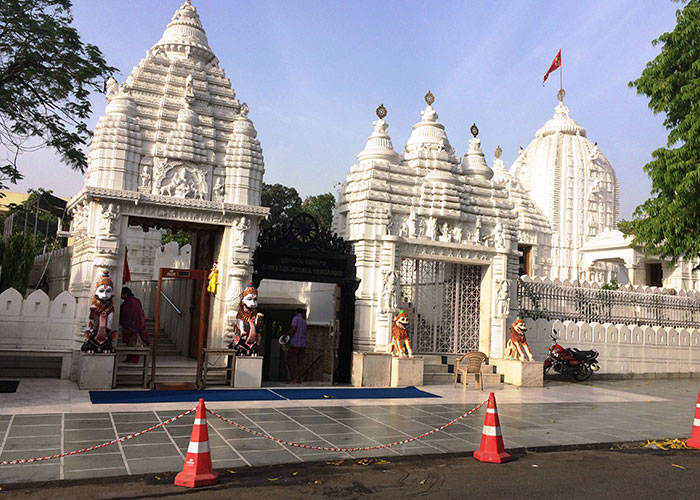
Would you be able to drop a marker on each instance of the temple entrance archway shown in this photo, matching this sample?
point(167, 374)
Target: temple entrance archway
point(303, 251)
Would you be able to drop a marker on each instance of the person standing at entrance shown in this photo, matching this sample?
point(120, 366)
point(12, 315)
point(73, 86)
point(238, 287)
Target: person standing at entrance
point(297, 346)
point(133, 322)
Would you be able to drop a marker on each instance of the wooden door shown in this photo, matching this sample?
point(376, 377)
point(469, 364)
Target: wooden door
point(203, 259)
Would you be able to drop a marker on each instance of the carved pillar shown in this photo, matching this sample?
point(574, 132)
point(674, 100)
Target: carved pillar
point(98, 229)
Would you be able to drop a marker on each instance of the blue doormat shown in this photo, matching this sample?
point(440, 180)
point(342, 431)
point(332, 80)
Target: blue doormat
point(136, 397)
point(359, 393)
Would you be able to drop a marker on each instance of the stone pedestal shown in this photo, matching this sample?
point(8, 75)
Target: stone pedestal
point(371, 369)
point(95, 371)
point(406, 371)
point(248, 371)
point(520, 373)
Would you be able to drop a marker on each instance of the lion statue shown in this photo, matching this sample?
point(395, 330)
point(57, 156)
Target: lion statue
point(517, 342)
point(100, 337)
point(245, 335)
point(399, 335)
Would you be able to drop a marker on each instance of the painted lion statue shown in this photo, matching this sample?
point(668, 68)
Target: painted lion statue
point(246, 337)
point(400, 338)
point(100, 337)
point(517, 342)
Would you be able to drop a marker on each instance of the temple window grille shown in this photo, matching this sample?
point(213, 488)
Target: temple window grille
point(442, 301)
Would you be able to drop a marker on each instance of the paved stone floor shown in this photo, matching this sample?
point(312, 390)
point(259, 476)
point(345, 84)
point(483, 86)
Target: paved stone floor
point(558, 414)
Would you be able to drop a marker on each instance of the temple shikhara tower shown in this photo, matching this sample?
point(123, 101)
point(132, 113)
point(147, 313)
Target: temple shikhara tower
point(575, 186)
point(175, 149)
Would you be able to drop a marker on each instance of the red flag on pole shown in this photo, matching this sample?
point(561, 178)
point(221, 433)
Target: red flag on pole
point(556, 64)
point(126, 275)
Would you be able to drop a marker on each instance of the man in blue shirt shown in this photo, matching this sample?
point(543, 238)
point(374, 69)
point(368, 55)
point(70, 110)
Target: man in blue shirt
point(297, 346)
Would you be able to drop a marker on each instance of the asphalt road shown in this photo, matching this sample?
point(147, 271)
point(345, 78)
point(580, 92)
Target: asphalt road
point(590, 474)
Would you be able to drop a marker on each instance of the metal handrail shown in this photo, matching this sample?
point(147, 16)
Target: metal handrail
point(171, 303)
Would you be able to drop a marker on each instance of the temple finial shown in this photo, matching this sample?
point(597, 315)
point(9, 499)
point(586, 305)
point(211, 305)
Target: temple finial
point(381, 111)
point(429, 98)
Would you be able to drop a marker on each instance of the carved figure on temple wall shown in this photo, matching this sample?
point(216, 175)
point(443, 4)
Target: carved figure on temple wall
point(388, 298)
point(431, 228)
point(502, 298)
point(112, 87)
point(457, 233)
point(445, 232)
point(219, 188)
point(146, 178)
point(189, 88)
point(499, 235)
point(476, 235)
point(240, 227)
point(411, 224)
point(110, 213)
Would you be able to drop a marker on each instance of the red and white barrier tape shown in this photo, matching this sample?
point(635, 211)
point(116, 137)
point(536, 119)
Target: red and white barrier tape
point(91, 448)
point(365, 448)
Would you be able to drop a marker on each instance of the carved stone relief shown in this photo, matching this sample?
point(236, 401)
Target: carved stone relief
point(240, 228)
point(388, 298)
point(181, 181)
point(219, 189)
point(502, 298)
point(110, 214)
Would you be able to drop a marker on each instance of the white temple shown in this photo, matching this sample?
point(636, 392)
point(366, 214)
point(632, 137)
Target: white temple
point(175, 148)
point(445, 237)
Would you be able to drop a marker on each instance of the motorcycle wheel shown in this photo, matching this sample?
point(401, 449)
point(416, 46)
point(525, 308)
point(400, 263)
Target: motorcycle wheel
point(583, 373)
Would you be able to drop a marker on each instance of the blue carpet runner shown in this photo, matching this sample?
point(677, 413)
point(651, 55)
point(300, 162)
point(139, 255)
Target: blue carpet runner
point(144, 396)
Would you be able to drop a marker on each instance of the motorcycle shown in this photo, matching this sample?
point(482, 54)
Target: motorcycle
point(579, 364)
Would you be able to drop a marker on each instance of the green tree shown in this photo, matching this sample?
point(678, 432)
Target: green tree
point(667, 224)
point(320, 206)
point(46, 75)
point(284, 203)
point(38, 217)
point(16, 259)
point(181, 236)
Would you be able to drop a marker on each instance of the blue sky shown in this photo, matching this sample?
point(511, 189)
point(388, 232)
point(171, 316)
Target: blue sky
point(313, 72)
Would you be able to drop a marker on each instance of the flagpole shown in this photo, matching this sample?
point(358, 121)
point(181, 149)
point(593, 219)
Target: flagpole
point(561, 71)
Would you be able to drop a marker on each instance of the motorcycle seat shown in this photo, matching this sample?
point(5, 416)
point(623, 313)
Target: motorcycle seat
point(584, 355)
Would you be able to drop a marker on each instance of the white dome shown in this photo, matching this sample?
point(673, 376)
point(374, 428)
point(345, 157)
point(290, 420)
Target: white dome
point(428, 132)
point(379, 146)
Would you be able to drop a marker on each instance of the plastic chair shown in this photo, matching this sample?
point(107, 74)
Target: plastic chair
point(470, 363)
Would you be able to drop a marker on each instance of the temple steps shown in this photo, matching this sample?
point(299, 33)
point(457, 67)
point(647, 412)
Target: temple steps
point(438, 369)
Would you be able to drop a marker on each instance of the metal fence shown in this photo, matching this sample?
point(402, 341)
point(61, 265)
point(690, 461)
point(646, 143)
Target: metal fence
point(541, 300)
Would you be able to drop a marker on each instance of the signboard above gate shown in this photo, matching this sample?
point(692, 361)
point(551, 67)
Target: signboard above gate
point(301, 251)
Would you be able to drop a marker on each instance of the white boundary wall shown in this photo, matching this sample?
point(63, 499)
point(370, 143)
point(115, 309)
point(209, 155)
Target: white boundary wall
point(627, 350)
point(36, 322)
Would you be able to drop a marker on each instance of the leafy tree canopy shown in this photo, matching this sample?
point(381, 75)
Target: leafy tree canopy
point(320, 206)
point(46, 75)
point(181, 236)
point(284, 203)
point(38, 218)
point(667, 224)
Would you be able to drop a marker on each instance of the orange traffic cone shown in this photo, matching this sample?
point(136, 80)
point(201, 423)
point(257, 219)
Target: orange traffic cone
point(694, 441)
point(197, 469)
point(491, 449)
